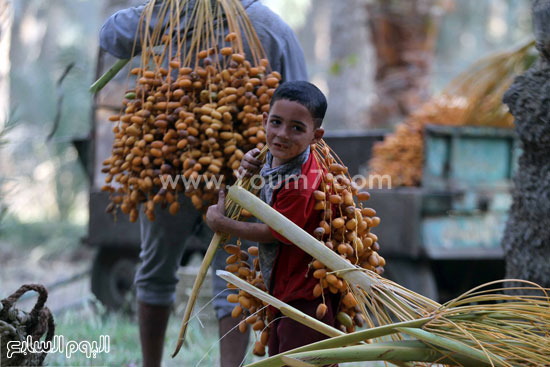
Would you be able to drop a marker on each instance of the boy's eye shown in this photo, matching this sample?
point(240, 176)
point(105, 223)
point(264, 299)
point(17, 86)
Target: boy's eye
point(298, 128)
point(275, 122)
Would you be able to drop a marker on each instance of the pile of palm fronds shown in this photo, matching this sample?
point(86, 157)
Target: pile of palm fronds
point(480, 328)
point(473, 98)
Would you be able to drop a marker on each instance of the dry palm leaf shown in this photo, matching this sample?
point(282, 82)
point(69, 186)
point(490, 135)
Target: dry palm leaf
point(482, 327)
point(473, 98)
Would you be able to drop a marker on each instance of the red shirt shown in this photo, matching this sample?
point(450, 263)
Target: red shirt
point(292, 277)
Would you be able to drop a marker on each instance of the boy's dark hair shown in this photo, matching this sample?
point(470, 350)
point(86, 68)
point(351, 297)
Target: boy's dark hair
point(306, 94)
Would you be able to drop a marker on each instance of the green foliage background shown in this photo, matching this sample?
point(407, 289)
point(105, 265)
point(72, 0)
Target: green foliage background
point(46, 37)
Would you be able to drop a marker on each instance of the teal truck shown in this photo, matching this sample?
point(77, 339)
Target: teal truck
point(443, 237)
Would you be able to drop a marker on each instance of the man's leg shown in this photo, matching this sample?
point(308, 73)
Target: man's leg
point(162, 247)
point(153, 320)
point(233, 345)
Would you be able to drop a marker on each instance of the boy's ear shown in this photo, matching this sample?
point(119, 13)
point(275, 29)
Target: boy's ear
point(317, 135)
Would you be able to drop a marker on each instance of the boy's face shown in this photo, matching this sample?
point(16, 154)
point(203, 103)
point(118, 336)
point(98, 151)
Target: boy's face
point(289, 130)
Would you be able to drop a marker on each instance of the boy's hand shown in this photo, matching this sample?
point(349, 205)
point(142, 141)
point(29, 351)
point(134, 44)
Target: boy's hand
point(216, 213)
point(249, 164)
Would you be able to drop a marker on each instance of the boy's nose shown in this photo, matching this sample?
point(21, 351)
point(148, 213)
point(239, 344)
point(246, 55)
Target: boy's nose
point(285, 133)
point(283, 138)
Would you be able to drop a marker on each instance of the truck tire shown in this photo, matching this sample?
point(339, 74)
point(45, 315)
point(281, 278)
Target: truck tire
point(112, 278)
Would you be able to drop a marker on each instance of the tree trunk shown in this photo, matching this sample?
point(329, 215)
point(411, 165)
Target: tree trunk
point(526, 240)
point(404, 35)
point(6, 20)
point(352, 60)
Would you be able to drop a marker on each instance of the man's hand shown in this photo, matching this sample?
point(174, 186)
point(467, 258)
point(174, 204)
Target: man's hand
point(249, 164)
point(215, 214)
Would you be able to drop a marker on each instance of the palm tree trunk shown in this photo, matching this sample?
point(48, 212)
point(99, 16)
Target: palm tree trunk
point(404, 35)
point(351, 75)
point(526, 240)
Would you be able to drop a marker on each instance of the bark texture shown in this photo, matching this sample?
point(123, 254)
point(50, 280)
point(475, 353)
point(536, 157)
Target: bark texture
point(526, 240)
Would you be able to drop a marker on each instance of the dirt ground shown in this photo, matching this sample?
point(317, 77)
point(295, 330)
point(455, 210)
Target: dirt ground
point(69, 298)
point(36, 266)
point(66, 277)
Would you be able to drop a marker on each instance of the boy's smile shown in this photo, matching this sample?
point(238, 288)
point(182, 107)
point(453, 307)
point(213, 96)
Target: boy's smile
point(289, 130)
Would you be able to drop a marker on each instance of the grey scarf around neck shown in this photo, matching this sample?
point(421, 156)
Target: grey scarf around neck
point(273, 178)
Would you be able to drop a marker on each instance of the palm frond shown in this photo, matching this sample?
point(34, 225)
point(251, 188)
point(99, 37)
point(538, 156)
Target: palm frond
point(510, 331)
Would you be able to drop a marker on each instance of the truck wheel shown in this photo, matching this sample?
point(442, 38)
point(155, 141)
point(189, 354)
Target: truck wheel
point(113, 273)
point(415, 275)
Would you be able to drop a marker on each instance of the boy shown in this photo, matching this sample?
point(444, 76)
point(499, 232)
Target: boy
point(290, 176)
point(163, 241)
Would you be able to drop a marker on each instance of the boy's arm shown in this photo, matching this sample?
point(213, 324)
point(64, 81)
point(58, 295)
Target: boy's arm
point(218, 222)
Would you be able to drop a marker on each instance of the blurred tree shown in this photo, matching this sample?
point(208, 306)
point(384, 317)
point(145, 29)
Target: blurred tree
point(351, 67)
point(404, 34)
point(46, 37)
point(421, 45)
point(6, 20)
point(5, 128)
point(474, 29)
